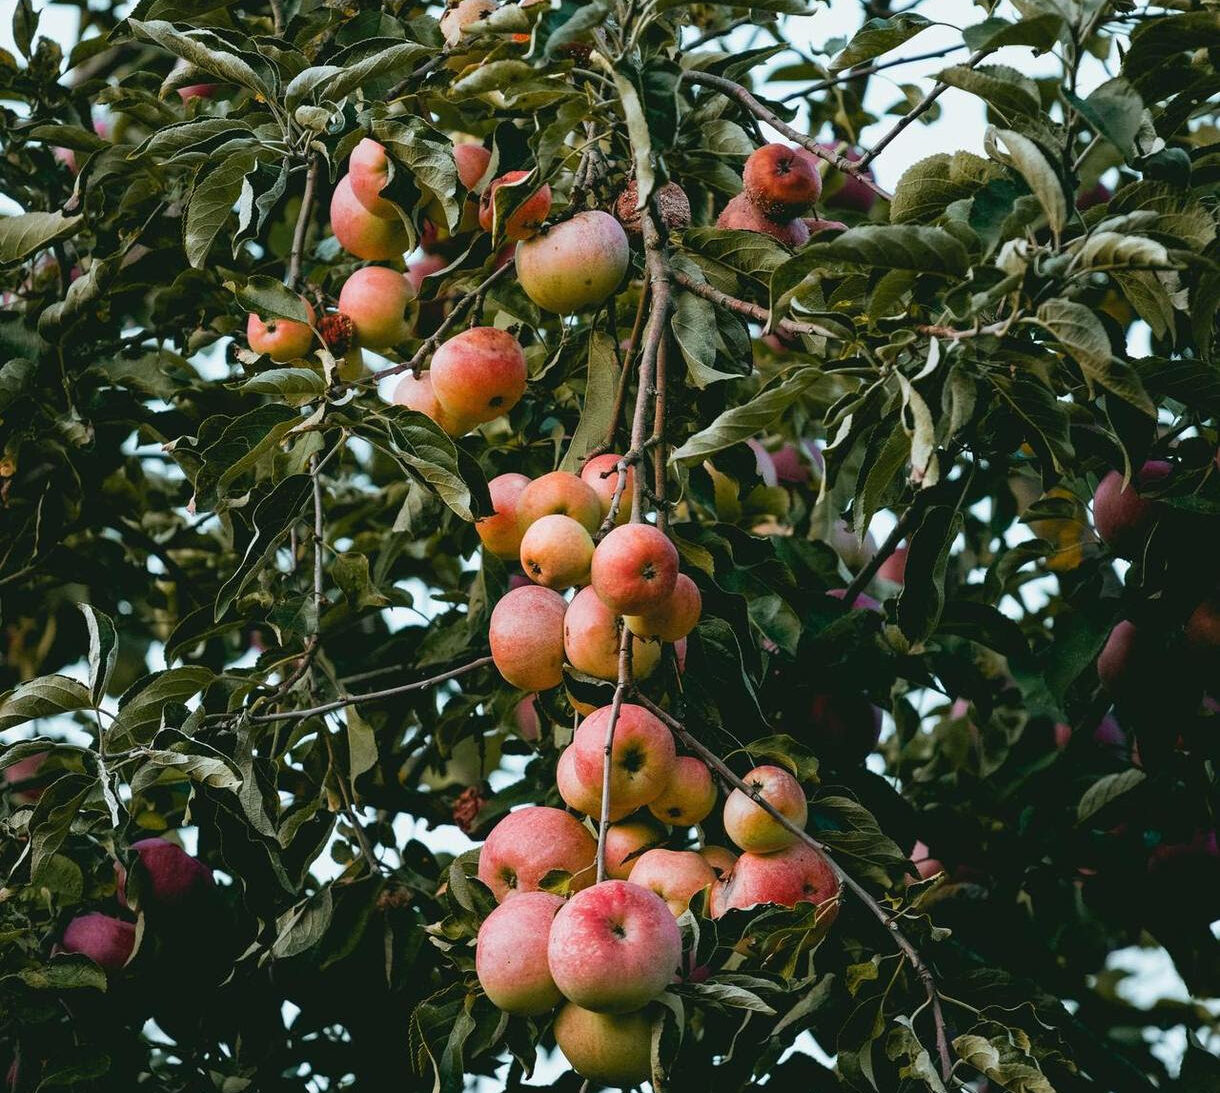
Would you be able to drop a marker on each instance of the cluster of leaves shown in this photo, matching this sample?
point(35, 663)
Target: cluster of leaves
point(253, 543)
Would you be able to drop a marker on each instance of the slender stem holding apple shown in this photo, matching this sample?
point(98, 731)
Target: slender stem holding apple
point(884, 917)
point(785, 328)
point(293, 274)
point(616, 705)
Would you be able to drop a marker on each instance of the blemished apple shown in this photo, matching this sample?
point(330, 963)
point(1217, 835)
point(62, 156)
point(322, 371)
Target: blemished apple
point(362, 233)
point(172, 877)
point(607, 1048)
point(416, 393)
point(672, 205)
point(601, 473)
point(526, 637)
point(642, 759)
point(754, 829)
point(479, 374)
point(561, 493)
point(500, 533)
point(591, 638)
point(369, 171)
point(556, 552)
point(720, 858)
point(674, 875)
point(461, 19)
point(525, 220)
point(781, 181)
point(635, 568)
point(796, 874)
point(743, 215)
point(105, 940)
point(626, 841)
point(531, 842)
point(511, 955)
point(282, 340)
point(614, 947)
point(673, 618)
point(690, 795)
point(376, 299)
point(1122, 515)
point(575, 264)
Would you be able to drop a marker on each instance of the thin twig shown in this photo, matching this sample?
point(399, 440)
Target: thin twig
point(900, 530)
point(868, 70)
point(293, 275)
point(785, 328)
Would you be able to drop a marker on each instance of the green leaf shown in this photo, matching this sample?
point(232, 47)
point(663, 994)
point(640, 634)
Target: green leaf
point(1114, 110)
point(289, 384)
point(66, 972)
point(597, 410)
point(186, 136)
point(1106, 789)
point(103, 650)
point(786, 751)
point(361, 743)
point(242, 442)
point(390, 62)
point(269, 298)
point(879, 36)
point(45, 696)
point(923, 592)
point(427, 155)
point(212, 200)
point(58, 807)
point(1028, 160)
point(208, 52)
point(638, 133)
point(927, 188)
point(141, 706)
point(1108, 250)
point(1010, 92)
point(21, 236)
point(693, 322)
point(300, 928)
point(727, 996)
point(746, 252)
point(1039, 31)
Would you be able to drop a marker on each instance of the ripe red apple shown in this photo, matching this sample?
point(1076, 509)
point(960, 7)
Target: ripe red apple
point(526, 637)
point(1118, 662)
point(1124, 518)
point(606, 1048)
point(635, 568)
point(674, 875)
point(281, 339)
point(563, 493)
point(369, 171)
point(673, 618)
point(462, 18)
point(845, 727)
point(556, 552)
point(105, 940)
point(719, 858)
point(614, 947)
point(754, 829)
point(1203, 626)
point(479, 374)
point(591, 638)
point(852, 194)
point(690, 795)
point(25, 770)
point(583, 794)
point(925, 865)
point(604, 465)
point(525, 717)
point(740, 213)
point(363, 233)
point(376, 300)
point(192, 90)
point(894, 568)
point(1099, 194)
point(528, 844)
point(575, 264)
point(471, 160)
point(672, 205)
point(172, 877)
point(625, 842)
point(642, 760)
point(796, 874)
point(525, 220)
point(500, 533)
point(781, 181)
point(417, 394)
point(510, 955)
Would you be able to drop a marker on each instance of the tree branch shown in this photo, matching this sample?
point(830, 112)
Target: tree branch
point(293, 275)
point(900, 530)
point(868, 70)
point(785, 328)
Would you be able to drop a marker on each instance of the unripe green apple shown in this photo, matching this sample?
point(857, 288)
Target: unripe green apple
point(610, 1049)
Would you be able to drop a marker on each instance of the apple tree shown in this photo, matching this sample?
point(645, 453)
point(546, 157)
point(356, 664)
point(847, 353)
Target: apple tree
point(445, 639)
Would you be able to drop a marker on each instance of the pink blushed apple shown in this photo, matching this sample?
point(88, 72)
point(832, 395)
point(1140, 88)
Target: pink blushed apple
point(528, 844)
point(511, 955)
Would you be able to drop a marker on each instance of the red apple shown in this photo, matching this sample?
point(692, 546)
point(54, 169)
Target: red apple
point(796, 874)
point(479, 374)
point(281, 339)
point(369, 171)
point(1123, 516)
point(511, 955)
point(417, 394)
point(556, 552)
point(753, 828)
point(525, 220)
point(105, 940)
point(591, 637)
point(674, 875)
point(673, 618)
point(781, 181)
point(172, 877)
point(363, 233)
point(528, 844)
point(601, 474)
point(575, 264)
point(740, 213)
point(500, 533)
point(526, 637)
point(377, 299)
point(719, 858)
point(562, 493)
point(642, 759)
point(635, 568)
point(625, 842)
point(689, 796)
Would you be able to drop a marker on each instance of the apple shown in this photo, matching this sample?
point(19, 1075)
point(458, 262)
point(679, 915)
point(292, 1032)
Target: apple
point(525, 220)
point(1098, 194)
point(635, 568)
point(781, 181)
point(925, 865)
point(281, 339)
point(526, 637)
point(193, 90)
point(1123, 516)
point(740, 213)
point(511, 955)
point(674, 875)
point(796, 874)
point(556, 552)
point(525, 717)
point(479, 374)
point(431, 313)
point(690, 795)
point(416, 393)
point(591, 637)
point(23, 771)
point(642, 759)
point(625, 842)
point(754, 829)
point(1120, 658)
point(581, 794)
point(672, 619)
point(670, 200)
point(500, 533)
point(376, 300)
point(362, 233)
point(855, 551)
point(862, 602)
point(105, 940)
point(614, 947)
point(461, 18)
point(1203, 626)
point(531, 842)
point(610, 1049)
point(562, 493)
point(894, 568)
point(369, 171)
point(845, 727)
point(172, 877)
point(575, 264)
point(720, 858)
point(601, 473)
point(471, 160)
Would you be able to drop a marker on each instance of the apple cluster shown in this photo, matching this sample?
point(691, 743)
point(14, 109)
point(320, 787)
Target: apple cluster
point(780, 184)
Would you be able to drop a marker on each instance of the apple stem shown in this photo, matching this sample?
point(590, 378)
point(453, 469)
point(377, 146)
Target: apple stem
point(616, 705)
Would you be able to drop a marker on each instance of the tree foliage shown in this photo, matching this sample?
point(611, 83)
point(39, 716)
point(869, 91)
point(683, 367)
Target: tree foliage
point(248, 598)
